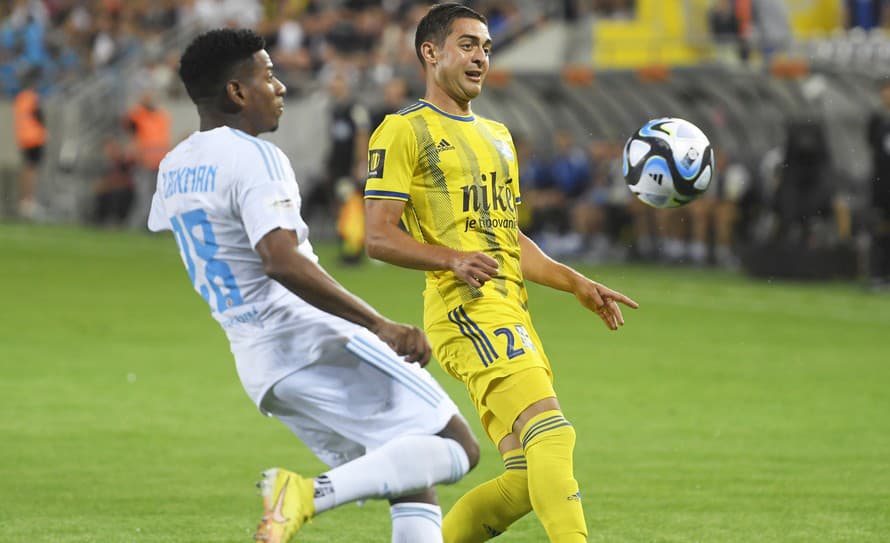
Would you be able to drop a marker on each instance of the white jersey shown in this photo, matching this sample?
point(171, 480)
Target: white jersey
point(220, 191)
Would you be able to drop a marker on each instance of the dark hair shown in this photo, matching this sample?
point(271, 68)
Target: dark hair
point(208, 62)
point(436, 24)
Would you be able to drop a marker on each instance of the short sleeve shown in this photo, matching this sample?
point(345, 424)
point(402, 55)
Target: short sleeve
point(266, 204)
point(392, 159)
point(157, 216)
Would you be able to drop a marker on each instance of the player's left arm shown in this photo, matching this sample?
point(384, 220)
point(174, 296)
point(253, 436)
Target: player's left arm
point(541, 269)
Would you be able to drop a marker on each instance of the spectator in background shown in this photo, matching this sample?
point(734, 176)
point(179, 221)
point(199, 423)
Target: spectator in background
point(570, 170)
point(534, 181)
point(25, 29)
point(726, 32)
point(772, 27)
point(21, 44)
point(879, 219)
point(865, 14)
point(150, 126)
point(223, 13)
point(349, 132)
point(287, 41)
point(30, 134)
point(553, 193)
point(345, 167)
point(713, 217)
point(395, 97)
point(105, 46)
point(615, 9)
point(603, 214)
point(156, 72)
point(540, 195)
point(114, 192)
point(805, 193)
point(570, 166)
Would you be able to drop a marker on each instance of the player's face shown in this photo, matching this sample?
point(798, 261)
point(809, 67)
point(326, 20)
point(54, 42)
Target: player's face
point(462, 63)
point(264, 95)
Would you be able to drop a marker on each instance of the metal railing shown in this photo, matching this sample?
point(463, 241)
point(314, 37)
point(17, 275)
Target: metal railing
point(80, 118)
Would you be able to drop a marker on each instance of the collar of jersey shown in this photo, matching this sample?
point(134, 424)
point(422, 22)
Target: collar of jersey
point(465, 119)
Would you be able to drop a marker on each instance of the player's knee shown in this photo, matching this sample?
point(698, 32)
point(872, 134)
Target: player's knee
point(427, 496)
point(470, 446)
point(548, 428)
point(472, 450)
point(458, 430)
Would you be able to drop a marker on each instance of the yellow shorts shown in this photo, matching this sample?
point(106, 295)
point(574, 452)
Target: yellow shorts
point(492, 347)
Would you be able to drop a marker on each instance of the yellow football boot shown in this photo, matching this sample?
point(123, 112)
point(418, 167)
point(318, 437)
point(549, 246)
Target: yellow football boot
point(287, 505)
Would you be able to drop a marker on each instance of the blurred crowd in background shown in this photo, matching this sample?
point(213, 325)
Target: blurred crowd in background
point(68, 39)
point(361, 53)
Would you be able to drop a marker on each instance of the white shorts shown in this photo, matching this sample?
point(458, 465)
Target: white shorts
point(357, 397)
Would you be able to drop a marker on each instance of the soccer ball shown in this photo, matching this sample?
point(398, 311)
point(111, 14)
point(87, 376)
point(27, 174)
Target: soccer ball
point(668, 163)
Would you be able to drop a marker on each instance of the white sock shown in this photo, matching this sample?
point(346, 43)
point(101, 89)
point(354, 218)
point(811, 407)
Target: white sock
point(414, 522)
point(403, 466)
point(324, 494)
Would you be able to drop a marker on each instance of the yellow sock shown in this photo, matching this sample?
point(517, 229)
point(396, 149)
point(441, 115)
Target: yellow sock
point(548, 441)
point(489, 509)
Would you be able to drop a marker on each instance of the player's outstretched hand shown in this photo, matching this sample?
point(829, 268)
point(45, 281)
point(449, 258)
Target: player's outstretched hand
point(474, 268)
point(406, 340)
point(603, 301)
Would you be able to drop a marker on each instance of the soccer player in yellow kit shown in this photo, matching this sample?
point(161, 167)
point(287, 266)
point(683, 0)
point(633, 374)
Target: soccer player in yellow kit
point(441, 196)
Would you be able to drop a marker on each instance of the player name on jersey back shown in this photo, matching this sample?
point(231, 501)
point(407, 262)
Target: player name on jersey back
point(201, 178)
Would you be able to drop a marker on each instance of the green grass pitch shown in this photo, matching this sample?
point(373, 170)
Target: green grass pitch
point(727, 410)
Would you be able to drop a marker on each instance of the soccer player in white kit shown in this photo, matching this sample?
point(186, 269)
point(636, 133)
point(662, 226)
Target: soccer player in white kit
point(307, 351)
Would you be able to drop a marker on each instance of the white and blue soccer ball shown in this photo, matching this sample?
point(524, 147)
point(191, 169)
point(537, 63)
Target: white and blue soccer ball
point(668, 163)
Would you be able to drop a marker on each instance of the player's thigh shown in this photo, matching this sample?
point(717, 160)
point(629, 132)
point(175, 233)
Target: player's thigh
point(512, 401)
point(364, 393)
point(494, 345)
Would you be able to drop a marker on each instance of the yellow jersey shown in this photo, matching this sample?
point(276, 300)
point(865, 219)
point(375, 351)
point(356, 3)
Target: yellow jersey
point(459, 179)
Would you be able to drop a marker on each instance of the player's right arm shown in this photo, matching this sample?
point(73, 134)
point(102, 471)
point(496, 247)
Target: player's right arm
point(385, 241)
point(268, 202)
point(305, 278)
point(392, 161)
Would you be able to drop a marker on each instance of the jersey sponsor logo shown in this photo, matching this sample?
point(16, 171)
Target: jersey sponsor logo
point(376, 159)
point(487, 196)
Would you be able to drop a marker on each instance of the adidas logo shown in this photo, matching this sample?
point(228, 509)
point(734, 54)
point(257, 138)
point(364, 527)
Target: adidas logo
point(657, 177)
point(443, 145)
point(576, 497)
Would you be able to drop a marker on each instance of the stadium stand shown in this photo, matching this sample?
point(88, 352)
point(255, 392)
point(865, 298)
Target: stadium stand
point(97, 57)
